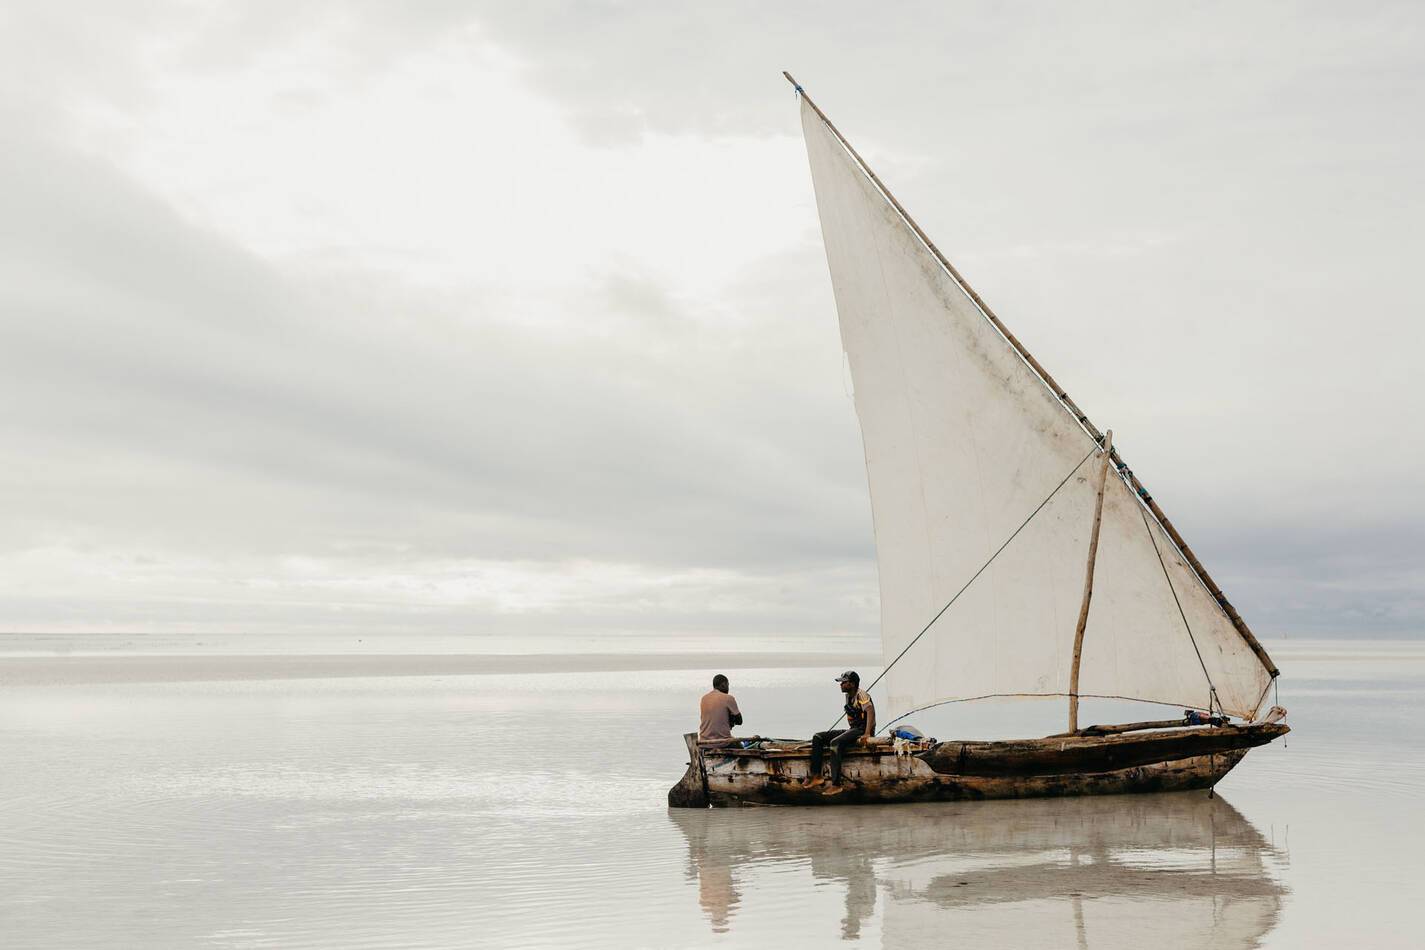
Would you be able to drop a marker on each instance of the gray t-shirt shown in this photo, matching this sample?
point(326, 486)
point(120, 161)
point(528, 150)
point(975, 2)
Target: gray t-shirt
point(716, 709)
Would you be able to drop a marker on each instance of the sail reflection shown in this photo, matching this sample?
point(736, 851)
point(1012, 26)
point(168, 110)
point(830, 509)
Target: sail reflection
point(1180, 870)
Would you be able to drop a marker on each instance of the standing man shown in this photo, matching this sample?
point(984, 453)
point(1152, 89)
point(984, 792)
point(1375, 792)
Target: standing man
point(719, 713)
point(861, 726)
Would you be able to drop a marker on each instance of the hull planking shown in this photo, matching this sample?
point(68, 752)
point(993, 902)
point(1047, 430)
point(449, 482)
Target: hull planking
point(1170, 760)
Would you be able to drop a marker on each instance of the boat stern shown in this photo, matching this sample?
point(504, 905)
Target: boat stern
point(692, 789)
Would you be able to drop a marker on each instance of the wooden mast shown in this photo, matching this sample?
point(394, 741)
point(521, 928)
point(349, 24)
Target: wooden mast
point(1088, 583)
point(1059, 393)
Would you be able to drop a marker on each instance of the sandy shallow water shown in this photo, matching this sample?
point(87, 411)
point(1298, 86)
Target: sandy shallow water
point(527, 809)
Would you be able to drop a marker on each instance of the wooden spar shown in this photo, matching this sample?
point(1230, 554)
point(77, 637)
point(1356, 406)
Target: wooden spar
point(1057, 390)
point(1088, 583)
point(1121, 727)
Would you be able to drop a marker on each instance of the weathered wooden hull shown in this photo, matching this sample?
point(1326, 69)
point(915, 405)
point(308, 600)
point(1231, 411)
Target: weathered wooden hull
point(953, 771)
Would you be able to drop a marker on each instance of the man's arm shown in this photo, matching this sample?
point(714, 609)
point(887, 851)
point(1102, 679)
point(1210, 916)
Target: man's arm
point(870, 721)
point(734, 715)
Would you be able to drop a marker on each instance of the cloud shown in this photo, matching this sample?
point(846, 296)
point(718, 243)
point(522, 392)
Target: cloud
point(358, 317)
point(199, 410)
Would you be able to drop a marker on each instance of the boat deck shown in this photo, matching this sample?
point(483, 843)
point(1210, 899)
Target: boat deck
point(773, 770)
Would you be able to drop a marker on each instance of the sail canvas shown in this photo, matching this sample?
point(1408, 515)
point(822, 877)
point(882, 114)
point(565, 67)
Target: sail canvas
point(964, 441)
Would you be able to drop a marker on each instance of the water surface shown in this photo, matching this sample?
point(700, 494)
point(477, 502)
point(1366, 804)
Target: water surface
point(527, 809)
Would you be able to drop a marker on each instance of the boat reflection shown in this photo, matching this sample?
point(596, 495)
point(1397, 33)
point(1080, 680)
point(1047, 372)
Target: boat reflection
point(1178, 870)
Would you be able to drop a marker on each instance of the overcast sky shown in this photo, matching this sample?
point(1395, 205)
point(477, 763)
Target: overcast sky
point(511, 319)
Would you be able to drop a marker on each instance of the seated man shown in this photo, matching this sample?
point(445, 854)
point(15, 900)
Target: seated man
point(719, 713)
point(861, 726)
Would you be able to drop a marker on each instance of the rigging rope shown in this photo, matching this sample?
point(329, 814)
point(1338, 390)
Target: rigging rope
point(1211, 687)
point(1265, 689)
point(1277, 702)
point(975, 577)
point(974, 699)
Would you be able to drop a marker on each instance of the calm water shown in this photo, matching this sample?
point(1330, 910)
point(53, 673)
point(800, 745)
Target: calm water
point(528, 810)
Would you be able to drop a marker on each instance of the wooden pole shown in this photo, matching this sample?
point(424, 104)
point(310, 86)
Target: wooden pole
point(1119, 728)
point(1057, 390)
point(1088, 583)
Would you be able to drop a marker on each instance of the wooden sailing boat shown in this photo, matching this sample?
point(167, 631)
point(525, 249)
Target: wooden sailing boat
point(1018, 554)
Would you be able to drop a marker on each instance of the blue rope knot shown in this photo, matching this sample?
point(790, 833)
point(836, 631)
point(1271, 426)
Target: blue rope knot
point(797, 90)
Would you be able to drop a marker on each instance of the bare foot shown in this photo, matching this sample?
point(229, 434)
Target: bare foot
point(813, 782)
point(834, 790)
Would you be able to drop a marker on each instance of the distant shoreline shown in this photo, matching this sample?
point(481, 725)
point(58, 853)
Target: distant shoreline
point(64, 670)
point(198, 667)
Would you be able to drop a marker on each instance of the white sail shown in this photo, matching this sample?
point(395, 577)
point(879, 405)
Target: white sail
point(963, 442)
